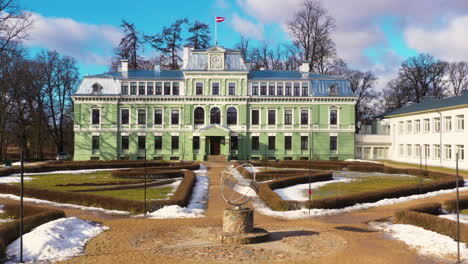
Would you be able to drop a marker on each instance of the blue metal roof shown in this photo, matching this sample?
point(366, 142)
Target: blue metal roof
point(144, 74)
point(431, 104)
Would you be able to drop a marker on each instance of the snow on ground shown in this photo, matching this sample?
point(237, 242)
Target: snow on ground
point(262, 208)
point(64, 205)
point(451, 216)
point(425, 241)
point(198, 202)
point(298, 192)
point(13, 179)
point(56, 240)
point(18, 163)
point(360, 160)
point(67, 172)
point(252, 169)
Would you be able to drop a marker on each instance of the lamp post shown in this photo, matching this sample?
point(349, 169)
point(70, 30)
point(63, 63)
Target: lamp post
point(21, 203)
point(458, 212)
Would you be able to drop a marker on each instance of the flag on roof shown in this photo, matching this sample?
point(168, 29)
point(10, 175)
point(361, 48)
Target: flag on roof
point(219, 19)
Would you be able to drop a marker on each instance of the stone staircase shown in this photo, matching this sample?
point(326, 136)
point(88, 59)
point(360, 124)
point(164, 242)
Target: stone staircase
point(216, 158)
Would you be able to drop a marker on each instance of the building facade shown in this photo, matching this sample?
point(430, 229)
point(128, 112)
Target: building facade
point(214, 106)
point(431, 132)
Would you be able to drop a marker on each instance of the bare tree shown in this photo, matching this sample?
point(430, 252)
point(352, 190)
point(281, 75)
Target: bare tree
point(243, 47)
point(396, 94)
point(129, 45)
point(310, 29)
point(14, 23)
point(200, 35)
point(362, 84)
point(458, 77)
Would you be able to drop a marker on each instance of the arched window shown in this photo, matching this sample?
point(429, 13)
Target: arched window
point(215, 115)
point(231, 116)
point(199, 116)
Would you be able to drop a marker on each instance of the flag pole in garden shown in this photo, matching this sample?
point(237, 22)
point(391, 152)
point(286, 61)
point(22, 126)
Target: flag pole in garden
point(458, 212)
point(21, 203)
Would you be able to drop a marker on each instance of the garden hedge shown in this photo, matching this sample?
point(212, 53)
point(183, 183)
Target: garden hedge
point(451, 205)
point(34, 217)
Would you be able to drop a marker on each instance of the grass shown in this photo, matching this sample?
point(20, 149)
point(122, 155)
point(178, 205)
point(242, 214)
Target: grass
point(49, 181)
point(362, 184)
point(416, 166)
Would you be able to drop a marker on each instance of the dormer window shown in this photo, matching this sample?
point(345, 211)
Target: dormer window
point(97, 88)
point(333, 90)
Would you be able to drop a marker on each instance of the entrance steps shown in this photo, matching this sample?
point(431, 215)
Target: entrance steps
point(216, 158)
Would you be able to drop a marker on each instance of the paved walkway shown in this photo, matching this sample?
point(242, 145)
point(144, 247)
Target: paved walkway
point(343, 238)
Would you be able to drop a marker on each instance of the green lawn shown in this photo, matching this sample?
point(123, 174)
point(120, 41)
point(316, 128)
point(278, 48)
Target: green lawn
point(49, 181)
point(362, 184)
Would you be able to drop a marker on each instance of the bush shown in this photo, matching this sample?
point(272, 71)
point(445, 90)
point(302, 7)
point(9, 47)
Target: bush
point(427, 208)
point(34, 217)
point(451, 205)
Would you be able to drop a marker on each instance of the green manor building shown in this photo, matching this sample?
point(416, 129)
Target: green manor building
point(214, 106)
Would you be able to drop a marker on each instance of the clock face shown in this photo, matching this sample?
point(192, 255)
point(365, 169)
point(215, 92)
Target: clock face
point(215, 61)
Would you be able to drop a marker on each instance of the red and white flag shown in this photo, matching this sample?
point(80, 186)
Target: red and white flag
point(219, 19)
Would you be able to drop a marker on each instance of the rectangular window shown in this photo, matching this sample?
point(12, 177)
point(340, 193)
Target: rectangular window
point(409, 151)
point(271, 142)
point(417, 126)
point(263, 88)
point(409, 127)
point(199, 88)
point(157, 142)
point(461, 152)
point(288, 88)
point(141, 116)
point(234, 142)
point(95, 116)
point(124, 88)
point(232, 88)
point(448, 151)
point(149, 88)
point(304, 142)
point(271, 117)
point(333, 117)
point(271, 88)
point(427, 125)
point(196, 143)
point(167, 88)
point(175, 88)
point(401, 150)
point(124, 142)
point(95, 143)
point(175, 142)
point(437, 151)
point(133, 88)
point(255, 143)
point(255, 88)
point(460, 122)
point(401, 128)
point(124, 116)
point(279, 88)
point(304, 117)
point(255, 117)
point(436, 124)
point(333, 143)
point(297, 87)
point(305, 89)
point(141, 88)
point(215, 88)
point(288, 117)
point(287, 142)
point(158, 90)
point(427, 151)
point(158, 116)
point(448, 123)
point(141, 142)
point(417, 150)
point(174, 116)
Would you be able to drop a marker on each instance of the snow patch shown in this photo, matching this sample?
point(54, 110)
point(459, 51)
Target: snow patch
point(13, 179)
point(67, 172)
point(198, 202)
point(56, 240)
point(64, 205)
point(262, 208)
point(298, 192)
point(425, 241)
point(453, 217)
point(360, 160)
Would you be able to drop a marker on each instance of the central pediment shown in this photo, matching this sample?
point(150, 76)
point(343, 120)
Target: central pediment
point(215, 128)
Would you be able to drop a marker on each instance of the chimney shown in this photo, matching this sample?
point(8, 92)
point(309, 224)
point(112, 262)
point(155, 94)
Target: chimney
point(248, 65)
point(187, 52)
point(124, 65)
point(262, 68)
point(119, 68)
point(305, 66)
point(157, 67)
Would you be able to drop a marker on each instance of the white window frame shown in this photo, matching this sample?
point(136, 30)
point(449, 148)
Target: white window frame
point(259, 116)
point(237, 115)
point(337, 116)
point(426, 125)
point(162, 117)
point(276, 116)
point(219, 88)
point(437, 151)
point(235, 88)
point(178, 121)
point(202, 88)
point(292, 116)
point(129, 116)
point(460, 122)
point(146, 116)
point(308, 116)
point(409, 127)
point(437, 124)
point(91, 116)
point(417, 126)
point(448, 123)
point(409, 150)
point(460, 149)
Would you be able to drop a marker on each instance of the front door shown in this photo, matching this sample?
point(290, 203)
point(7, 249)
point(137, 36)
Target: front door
point(215, 145)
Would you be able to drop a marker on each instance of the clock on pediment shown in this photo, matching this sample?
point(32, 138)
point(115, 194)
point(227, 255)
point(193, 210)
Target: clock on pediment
point(216, 62)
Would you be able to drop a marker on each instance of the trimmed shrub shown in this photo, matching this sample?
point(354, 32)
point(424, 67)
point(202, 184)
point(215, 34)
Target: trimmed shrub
point(427, 208)
point(451, 205)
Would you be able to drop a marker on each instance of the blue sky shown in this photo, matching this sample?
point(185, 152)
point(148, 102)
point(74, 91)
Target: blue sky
point(370, 35)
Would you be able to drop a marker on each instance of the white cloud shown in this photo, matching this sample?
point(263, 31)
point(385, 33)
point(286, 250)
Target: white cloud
point(246, 27)
point(448, 43)
point(86, 42)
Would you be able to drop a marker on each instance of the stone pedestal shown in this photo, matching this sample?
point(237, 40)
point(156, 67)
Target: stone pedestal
point(238, 221)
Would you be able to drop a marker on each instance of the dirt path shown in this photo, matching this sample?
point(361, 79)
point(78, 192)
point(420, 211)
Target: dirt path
point(344, 238)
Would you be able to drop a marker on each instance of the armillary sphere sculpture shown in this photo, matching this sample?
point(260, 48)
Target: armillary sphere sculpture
point(238, 192)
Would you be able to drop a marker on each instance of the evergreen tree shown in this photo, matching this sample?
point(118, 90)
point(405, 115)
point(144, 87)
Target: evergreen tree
point(200, 35)
point(129, 45)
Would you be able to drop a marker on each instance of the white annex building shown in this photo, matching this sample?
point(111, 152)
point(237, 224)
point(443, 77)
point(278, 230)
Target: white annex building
point(432, 131)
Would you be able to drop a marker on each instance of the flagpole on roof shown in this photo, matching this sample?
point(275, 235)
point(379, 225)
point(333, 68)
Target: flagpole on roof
point(216, 32)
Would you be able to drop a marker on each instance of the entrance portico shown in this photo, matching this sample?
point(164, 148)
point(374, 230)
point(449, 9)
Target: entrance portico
point(216, 138)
